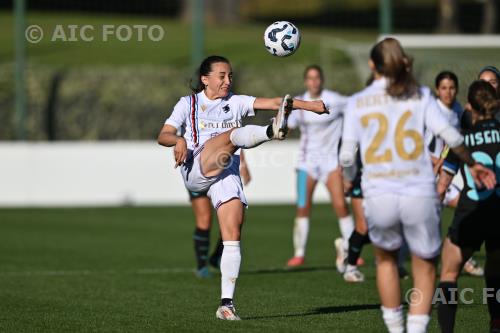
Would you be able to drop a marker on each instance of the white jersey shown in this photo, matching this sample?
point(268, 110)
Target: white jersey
point(390, 133)
point(453, 115)
point(319, 133)
point(199, 118)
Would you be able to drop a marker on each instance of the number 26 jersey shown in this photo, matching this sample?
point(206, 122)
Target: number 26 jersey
point(390, 134)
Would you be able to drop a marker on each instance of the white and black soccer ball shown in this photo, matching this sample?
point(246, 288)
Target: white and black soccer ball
point(282, 38)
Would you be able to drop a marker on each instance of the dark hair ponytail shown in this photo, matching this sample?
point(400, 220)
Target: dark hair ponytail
point(483, 98)
point(205, 69)
point(392, 62)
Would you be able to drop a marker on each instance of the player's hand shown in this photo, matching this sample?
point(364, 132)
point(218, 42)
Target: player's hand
point(180, 152)
point(245, 174)
point(483, 177)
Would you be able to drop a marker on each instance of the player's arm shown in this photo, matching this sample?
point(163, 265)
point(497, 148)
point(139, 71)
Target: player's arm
point(482, 175)
point(168, 137)
point(262, 103)
point(439, 125)
point(350, 139)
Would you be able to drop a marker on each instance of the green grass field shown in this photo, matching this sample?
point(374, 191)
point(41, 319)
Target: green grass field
point(131, 269)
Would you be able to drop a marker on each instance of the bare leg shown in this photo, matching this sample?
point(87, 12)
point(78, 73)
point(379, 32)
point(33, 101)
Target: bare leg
point(336, 189)
point(389, 290)
point(230, 215)
point(218, 151)
point(387, 278)
point(202, 210)
point(335, 186)
point(217, 154)
point(359, 216)
point(424, 279)
point(451, 261)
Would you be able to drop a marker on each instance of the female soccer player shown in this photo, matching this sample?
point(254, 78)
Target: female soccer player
point(446, 90)
point(491, 74)
point(476, 217)
point(211, 120)
point(318, 161)
point(202, 210)
point(387, 119)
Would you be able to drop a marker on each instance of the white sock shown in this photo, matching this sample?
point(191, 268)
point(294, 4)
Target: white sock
point(393, 319)
point(229, 267)
point(249, 136)
point(300, 232)
point(417, 323)
point(346, 225)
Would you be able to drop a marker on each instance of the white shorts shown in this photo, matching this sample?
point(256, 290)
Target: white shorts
point(319, 168)
point(390, 216)
point(221, 188)
point(452, 193)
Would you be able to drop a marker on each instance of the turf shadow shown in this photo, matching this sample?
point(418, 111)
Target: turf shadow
point(321, 311)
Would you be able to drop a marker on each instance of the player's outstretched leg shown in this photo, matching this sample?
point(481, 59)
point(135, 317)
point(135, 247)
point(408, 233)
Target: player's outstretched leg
point(218, 151)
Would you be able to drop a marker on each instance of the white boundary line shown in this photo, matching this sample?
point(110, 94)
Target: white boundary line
point(446, 41)
point(143, 271)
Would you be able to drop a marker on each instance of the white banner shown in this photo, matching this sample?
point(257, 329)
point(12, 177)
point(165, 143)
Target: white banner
point(128, 173)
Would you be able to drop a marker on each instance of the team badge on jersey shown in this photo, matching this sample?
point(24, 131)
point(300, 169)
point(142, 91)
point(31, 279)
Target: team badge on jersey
point(203, 107)
point(226, 108)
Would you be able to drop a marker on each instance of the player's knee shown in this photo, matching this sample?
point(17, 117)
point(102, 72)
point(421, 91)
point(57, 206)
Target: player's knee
point(230, 234)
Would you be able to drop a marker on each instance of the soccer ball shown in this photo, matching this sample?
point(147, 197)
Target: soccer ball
point(282, 39)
